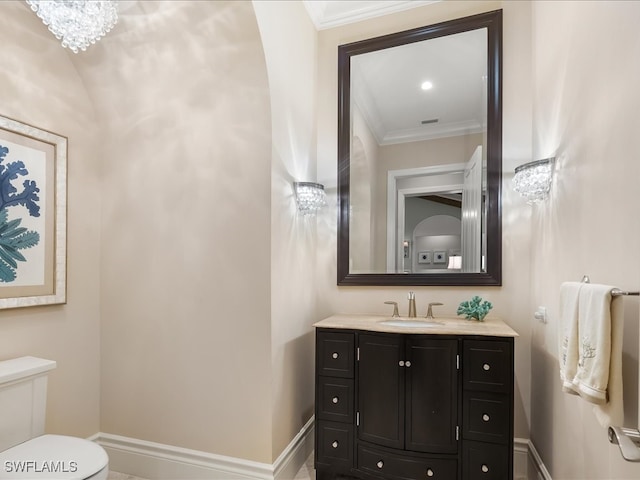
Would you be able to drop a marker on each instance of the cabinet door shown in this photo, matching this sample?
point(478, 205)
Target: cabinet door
point(431, 395)
point(381, 389)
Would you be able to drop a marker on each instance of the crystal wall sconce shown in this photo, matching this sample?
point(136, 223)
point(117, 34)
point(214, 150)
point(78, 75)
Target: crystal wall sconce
point(310, 197)
point(533, 180)
point(78, 23)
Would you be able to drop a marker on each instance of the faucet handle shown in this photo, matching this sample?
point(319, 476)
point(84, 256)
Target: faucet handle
point(430, 311)
point(395, 309)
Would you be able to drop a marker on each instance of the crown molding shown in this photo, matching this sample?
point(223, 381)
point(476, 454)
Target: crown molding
point(329, 14)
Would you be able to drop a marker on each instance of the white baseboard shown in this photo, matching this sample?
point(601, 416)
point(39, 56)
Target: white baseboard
point(527, 461)
point(520, 458)
point(541, 470)
point(157, 461)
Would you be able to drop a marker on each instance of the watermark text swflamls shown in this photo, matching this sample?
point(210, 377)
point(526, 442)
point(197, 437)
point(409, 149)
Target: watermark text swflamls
point(32, 466)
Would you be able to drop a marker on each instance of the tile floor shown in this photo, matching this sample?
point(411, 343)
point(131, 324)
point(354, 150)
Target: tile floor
point(305, 473)
point(122, 476)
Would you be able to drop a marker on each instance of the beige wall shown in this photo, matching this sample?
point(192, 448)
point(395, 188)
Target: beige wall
point(181, 90)
point(511, 300)
point(39, 86)
point(290, 43)
point(586, 104)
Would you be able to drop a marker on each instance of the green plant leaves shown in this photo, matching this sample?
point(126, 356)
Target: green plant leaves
point(13, 238)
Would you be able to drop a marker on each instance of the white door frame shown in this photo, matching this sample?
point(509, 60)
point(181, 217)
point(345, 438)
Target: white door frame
point(395, 205)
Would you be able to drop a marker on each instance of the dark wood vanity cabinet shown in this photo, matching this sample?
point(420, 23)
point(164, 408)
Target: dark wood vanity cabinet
point(405, 406)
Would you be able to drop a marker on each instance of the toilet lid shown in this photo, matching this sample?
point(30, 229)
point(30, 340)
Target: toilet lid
point(53, 457)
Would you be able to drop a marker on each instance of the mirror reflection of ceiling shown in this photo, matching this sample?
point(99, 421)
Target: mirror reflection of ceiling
point(387, 88)
point(332, 13)
point(401, 112)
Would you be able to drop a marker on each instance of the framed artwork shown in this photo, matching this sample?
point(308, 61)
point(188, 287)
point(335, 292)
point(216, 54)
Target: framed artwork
point(33, 215)
point(424, 257)
point(439, 257)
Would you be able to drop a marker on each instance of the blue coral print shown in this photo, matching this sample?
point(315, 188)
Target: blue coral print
point(13, 237)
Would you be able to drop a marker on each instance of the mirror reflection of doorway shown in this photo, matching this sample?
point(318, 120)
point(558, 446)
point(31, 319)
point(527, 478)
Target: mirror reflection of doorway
point(415, 195)
point(435, 239)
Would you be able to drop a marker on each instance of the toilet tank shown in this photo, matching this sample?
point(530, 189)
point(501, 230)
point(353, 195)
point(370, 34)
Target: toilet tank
point(23, 399)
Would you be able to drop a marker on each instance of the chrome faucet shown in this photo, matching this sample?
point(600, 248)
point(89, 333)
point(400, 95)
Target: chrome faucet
point(395, 309)
point(412, 305)
point(430, 311)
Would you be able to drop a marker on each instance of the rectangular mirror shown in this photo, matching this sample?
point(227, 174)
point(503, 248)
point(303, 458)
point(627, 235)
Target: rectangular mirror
point(420, 156)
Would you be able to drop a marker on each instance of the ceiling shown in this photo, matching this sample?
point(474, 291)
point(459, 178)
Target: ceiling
point(333, 13)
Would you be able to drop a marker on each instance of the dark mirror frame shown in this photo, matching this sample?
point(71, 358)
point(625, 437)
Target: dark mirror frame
point(492, 276)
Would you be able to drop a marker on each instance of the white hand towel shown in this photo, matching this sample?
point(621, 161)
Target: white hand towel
point(599, 376)
point(594, 342)
point(568, 334)
point(612, 412)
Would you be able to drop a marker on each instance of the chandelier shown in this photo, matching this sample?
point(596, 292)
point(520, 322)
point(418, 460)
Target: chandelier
point(78, 23)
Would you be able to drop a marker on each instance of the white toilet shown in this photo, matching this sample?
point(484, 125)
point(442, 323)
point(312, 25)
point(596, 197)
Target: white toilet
point(25, 453)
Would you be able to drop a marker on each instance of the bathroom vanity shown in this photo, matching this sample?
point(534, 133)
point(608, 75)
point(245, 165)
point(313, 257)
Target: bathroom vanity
point(416, 401)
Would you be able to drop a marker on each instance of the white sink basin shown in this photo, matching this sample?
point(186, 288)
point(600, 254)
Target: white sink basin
point(411, 323)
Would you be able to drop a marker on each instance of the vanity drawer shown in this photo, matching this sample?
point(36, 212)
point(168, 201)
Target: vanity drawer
point(335, 399)
point(487, 365)
point(379, 462)
point(334, 443)
point(334, 354)
point(485, 461)
point(486, 417)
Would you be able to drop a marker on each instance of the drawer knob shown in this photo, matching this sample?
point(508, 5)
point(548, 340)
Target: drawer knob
point(335, 399)
point(335, 355)
point(484, 468)
point(380, 464)
point(335, 444)
point(486, 367)
point(485, 417)
point(429, 472)
point(401, 363)
point(407, 363)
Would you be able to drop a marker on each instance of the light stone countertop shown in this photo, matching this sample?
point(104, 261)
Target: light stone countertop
point(492, 327)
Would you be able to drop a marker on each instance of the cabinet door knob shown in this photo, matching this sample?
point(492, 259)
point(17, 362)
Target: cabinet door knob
point(401, 363)
point(429, 472)
point(486, 367)
point(335, 355)
point(335, 444)
point(380, 464)
point(407, 363)
point(484, 468)
point(485, 417)
point(335, 399)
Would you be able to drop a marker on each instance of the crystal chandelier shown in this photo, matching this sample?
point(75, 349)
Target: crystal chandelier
point(533, 180)
point(78, 23)
point(310, 197)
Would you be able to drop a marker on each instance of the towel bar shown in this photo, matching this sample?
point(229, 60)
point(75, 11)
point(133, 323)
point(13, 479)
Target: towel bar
point(616, 292)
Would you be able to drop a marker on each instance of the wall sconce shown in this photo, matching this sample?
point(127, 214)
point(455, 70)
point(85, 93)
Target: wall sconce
point(533, 180)
point(310, 197)
point(455, 262)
